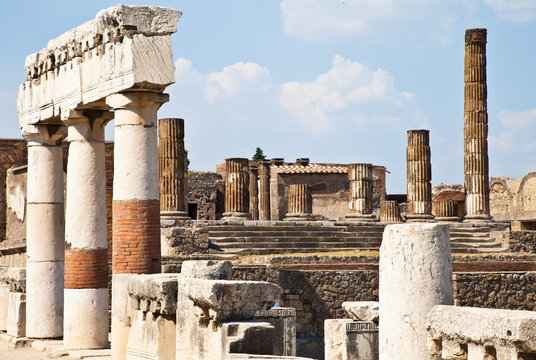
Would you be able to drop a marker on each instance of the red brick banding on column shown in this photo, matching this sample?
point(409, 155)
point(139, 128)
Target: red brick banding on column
point(86, 269)
point(136, 237)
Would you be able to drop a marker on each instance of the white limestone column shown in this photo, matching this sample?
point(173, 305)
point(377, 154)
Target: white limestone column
point(45, 232)
point(86, 260)
point(136, 204)
point(415, 275)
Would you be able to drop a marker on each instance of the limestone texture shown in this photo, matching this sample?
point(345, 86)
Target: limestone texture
point(207, 269)
point(362, 310)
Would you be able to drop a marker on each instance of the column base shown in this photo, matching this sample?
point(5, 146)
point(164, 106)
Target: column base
point(235, 215)
point(478, 218)
point(299, 217)
point(361, 217)
point(420, 218)
point(174, 215)
point(447, 218)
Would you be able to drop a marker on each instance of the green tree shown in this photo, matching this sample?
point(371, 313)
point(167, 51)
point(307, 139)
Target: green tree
point(259, 155)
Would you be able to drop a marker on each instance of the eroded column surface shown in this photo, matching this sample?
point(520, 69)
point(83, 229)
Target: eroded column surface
point(419, 176)
point(86, 259)
point(136, 205)
point(236, 188)
point(254, 192)
point(415, 275)
point(264, 190)
point(360, 203)
point(389, 212)
point(300, 202)
point(475, 131)
point(446, 210)
point(45, 237)
point(173, 168)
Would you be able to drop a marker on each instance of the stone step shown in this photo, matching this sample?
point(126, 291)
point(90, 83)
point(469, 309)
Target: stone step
point(470, 229)
point(253, 239)
point(350, 228)
point(471, 240)
point(470, 235)
point(299, 244)
point(280, 233)
point(270, 251)
point(480, 245)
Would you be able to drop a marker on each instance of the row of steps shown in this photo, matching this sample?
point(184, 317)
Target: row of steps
point(278, 239)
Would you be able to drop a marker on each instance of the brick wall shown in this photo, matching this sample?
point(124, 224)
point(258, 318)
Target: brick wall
point(86, 269)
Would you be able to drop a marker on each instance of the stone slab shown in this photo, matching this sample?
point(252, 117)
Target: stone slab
point(207, 269)
point(16, 315)
point(362, 310)
point(155, 292)
point(284, 322)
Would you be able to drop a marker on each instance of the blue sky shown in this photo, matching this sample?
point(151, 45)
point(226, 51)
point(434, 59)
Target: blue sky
point(333, 80)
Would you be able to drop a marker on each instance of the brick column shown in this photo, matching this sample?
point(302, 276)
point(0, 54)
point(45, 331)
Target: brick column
point(360, 189)
point(389, 212)
point(86, 260)
point(173, 168)
point(136, 205)
point(264, 190)
point(253, 192)
point(446, 210)
point(300, 203)
point(476, 167)
point(419, 176)
point(236, 189)
point(45, 234)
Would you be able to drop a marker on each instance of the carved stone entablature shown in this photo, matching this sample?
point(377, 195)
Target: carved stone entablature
point(156, 293)
point(123, 48)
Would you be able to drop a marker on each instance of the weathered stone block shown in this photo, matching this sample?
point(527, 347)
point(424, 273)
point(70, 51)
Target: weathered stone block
point(16, 315)
point(346, 339)
point(156, 292)
point(152, 336)
point(284, 322)
point(362, 310)
point(247, 337)
point(207, 269)
point(4, 303)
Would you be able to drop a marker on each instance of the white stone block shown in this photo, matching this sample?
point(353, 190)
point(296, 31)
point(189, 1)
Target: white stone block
point(362, 310)
point(45, 174)
point(151, 336)
point(346, 339)
point(4, 301)
point(16, 315)
point(415, 275)
point(207, 269)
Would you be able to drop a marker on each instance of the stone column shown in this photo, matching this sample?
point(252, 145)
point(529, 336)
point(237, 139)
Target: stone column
point(475, 130)
point(253, 192)
point(415, 275)
point(136, 205)
point(419, 176)
point(446, 210)
point(45, 237)
point(236, 189)
point(173, 168)
point(300, 203)
point(86, 259)
point(389, 212)
point(264, 190)
point(360, 204)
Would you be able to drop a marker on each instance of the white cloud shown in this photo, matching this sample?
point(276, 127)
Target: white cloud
point(518, 11)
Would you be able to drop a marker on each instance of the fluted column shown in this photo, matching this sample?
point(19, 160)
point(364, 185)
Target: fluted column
point(446, 210)
point(300, 202)
point(475, 131)
point(419, 176)
point(264, 190)
point(236, 189)
point(86, 260)
point(389, 212)
point(172, 168)
point(253, 193)
point(360, 203)
point(45, 236)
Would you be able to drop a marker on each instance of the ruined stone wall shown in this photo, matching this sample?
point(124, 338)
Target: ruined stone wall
point(514, 200)
point(522, 241)
point(202, 190)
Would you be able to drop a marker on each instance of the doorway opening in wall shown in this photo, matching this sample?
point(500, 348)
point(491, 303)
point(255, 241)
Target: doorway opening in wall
point(192, 211)
point(528, 225)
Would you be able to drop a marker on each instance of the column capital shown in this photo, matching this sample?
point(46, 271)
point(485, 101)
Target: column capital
point(86, 125)
point(133, 99)
point(44, 134)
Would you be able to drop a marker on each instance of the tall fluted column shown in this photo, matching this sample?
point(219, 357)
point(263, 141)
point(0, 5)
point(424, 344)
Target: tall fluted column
point(389, 212)
point(86, 260)
point(360, 203)
point(253, 193)
point(236, 189)
point(136, 204)
point(446, 210)
point(172, 159)
point(45, 236)
point(475, 130)
point(300, 202)
point(419, 176)
point(264, 190)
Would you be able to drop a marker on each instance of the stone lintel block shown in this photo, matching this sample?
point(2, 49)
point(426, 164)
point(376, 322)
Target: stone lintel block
point(362, 310)
point(207, 269)
point(513, 328)
point(155, 292)
point(224, 300)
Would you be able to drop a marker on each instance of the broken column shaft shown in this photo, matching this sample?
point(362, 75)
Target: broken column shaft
point(419, 176)
point(172, 168)
point(300, 202)
point(264, 190)
point(236, 188)
point(476, 167)
point(446, 210)
point(360, 204)
point(389, 212)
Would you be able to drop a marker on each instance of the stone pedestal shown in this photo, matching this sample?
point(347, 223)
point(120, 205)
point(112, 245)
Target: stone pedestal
point(475, 132)
point(45, 236)
point(389, 212)
point(236, 189)
point(415, 275)
point(419, 176)
point(284, 322)
point(173, 168)
point(16, 314)
point(300, 203)
point(253, 193)
point(264, 190)
point(446, 210)
point(136, 205)
point(360, 203)
point(86, 260)
point(346, 339)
